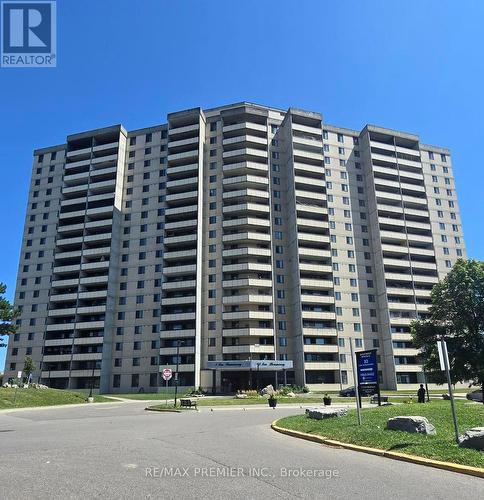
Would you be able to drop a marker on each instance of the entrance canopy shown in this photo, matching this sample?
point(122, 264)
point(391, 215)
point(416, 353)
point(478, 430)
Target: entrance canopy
point(246, 365)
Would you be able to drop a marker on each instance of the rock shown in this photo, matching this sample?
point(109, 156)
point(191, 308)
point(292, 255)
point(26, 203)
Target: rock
point(241, 396)
point(290, 395)
point(473, 438)
point(411, 424)
point(322, 413)
point(267, 391)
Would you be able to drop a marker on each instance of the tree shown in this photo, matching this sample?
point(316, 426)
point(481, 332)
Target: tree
point(456, 313)
point(29, 367)
point(7, 316)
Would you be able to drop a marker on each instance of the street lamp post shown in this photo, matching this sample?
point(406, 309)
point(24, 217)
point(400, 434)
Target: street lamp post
point(92, 379)
point(178, 344)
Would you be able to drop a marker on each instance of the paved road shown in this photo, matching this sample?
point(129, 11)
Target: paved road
point(121, 451)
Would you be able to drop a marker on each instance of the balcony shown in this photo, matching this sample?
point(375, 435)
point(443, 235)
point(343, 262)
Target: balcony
point(181, 210)
point(170, 334)
point(316, 268)
point(247, 266)
point(318, 315)
point(246, 181)
point(316, 284)
point(245, 139)
point(312, 237)
point(186, 196)
point(314, 252)
point(243, 126)
point(317, 299)
point(184, 130)
point(181, 224)
point(177, 240)
point(181, 157)
point(181, 184)
point(248, 332)
point(326, 348)
point(173, 301)
point(187, 316)
point(246, 167)
point(247, 282)
point(248, 348)
point(245, 222)
point(71, 311)
point(246, 193)
point(247, 315)
point(182, 169)
point(320, 332)
point(245, 237)
point(179, 285)
point(247, 251)
point(247, 299)
point(180, 270)
point(89, 325)
point(246, 207)
point(180, 254)
point(321, 365)
point(245, 153)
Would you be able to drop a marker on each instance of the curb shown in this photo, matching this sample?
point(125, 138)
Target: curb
point(462, 469)
point(167, 410)
point(53, 407)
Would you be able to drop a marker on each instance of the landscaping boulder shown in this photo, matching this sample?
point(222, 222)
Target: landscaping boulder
point(411, 424)
point(322, 413)
point(290, 395)
point(473, 438)
point(267, 391)
point(241, 395)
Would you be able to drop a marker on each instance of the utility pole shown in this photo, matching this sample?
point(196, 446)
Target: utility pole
point(178, 344)
point(445, 356)
point(355, 378)
point(92, 379)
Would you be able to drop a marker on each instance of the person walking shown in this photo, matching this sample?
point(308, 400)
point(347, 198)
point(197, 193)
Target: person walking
point(421, 394)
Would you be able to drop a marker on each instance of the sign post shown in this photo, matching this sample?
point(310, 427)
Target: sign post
point(167, 374)
point(355, 378)
point(19, 376)
point(444, 365)
point(367, 365)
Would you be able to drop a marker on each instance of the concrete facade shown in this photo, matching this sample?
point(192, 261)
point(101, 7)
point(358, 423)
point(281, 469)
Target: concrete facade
point(236, 233)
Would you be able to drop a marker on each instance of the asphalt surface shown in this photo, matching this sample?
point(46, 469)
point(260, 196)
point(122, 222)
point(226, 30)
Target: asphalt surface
point(121, 451)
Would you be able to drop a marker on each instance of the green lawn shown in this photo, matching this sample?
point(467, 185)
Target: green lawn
point(42, 397)
point(374, 434)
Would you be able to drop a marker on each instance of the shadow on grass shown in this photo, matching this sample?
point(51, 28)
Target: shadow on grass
point(400, 446)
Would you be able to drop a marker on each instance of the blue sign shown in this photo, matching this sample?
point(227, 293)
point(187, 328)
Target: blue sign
point(367, 366)
point(28, 34)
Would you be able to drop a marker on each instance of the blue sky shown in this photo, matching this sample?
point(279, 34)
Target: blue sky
point(410, 65)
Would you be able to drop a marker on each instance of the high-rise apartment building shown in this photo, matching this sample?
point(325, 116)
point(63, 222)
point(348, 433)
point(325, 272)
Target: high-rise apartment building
point(254, 242)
